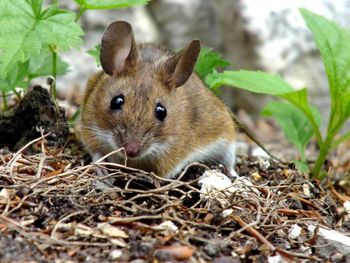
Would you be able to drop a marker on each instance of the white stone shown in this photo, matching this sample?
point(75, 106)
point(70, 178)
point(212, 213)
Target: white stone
point(115, 254)
point(259, 152)
point(330, 241)
point(167, 226)
point(294, 232)
point(214, 181)
point(306, 190)
point(347, 206)
point(227, 212)
point(277, 259)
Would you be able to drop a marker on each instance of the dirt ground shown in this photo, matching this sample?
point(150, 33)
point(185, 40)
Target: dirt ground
point(55, 208)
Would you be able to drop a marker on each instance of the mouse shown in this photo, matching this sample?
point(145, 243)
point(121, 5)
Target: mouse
point(149, 101)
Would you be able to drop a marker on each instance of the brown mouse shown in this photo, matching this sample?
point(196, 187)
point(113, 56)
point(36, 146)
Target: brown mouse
point(148, 100)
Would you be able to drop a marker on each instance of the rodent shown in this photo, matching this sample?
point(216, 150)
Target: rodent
point(149, 101)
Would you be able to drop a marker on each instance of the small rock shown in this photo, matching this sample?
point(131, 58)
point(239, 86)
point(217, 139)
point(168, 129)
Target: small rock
point(294, 232)
point(335, 241)
point(227, 212)
point(167, 226)
point(277, 259)
point(336, 257)
point(259, 152)
point(115, 254)
point(306, 190)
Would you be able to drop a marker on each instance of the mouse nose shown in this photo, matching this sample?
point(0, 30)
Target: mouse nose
point(132, 147)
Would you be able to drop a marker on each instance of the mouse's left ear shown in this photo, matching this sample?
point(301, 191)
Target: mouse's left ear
point(118, 49)
point(179, 67)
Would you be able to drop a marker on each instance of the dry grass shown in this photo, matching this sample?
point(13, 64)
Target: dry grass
point(62, 210)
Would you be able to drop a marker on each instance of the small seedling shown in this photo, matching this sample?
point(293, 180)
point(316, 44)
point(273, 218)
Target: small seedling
point(300, 120)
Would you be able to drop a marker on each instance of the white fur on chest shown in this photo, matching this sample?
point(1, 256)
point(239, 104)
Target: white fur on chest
point(221, 151)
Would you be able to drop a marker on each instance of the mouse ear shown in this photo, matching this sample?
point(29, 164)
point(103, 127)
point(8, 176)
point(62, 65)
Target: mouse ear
point(118, 48)
point(179, 67)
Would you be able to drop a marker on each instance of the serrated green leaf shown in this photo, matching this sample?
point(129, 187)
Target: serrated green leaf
point(293, 122)
point(333, 41)
point(41, 65)
point(95, 52)
point(109, 4)
point(24, 32)
point(15, 78)
point(208, 61)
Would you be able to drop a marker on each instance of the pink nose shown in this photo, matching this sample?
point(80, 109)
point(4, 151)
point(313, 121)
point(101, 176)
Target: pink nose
point(132, 147)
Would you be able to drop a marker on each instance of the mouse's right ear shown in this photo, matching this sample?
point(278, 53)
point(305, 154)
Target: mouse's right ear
point(118, 49)
point(179, 67)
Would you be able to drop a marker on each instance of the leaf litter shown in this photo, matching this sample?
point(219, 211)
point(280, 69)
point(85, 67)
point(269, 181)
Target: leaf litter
point(56, 208)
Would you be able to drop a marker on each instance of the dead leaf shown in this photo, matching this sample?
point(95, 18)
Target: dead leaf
point(176, 252)
point(111, 231)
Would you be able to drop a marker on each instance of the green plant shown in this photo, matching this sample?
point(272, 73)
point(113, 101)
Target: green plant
point(31, 38)
point(299, 120)
point(207, 64)
point(95, 52)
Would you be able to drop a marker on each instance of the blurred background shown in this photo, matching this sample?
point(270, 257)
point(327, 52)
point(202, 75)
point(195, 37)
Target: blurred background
point(268, 35)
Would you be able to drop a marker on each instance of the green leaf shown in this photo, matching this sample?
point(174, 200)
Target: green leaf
point(81, 3)
point(299, 98)
point(41, 65)
point(15, 78)
point(208, 61)
point(333, 41)
point(301, 166)
point(264, 83)
point(109, 4)
point(293, 122)
point(36, 6)
point(95, 52)
point(254, 81)
point(25, 30)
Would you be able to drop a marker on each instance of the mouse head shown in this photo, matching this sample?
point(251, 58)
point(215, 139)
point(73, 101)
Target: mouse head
point(139, 105)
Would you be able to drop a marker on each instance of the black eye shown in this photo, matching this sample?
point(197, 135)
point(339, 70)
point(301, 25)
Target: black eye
point(160, 112)
point(117, 102)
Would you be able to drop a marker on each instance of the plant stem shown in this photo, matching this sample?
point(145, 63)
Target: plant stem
point(4, 101)
point(313, 124)
point(324, 149)
point(18, 95)
point(73, 118)
point(54, 71)
point(317, 131)
point(80, 13)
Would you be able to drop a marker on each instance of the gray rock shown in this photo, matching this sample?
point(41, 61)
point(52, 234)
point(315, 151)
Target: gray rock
point(332, 243)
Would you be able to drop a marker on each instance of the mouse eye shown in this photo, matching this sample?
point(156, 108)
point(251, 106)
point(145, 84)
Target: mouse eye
point(160, 112)
point(117, 102)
